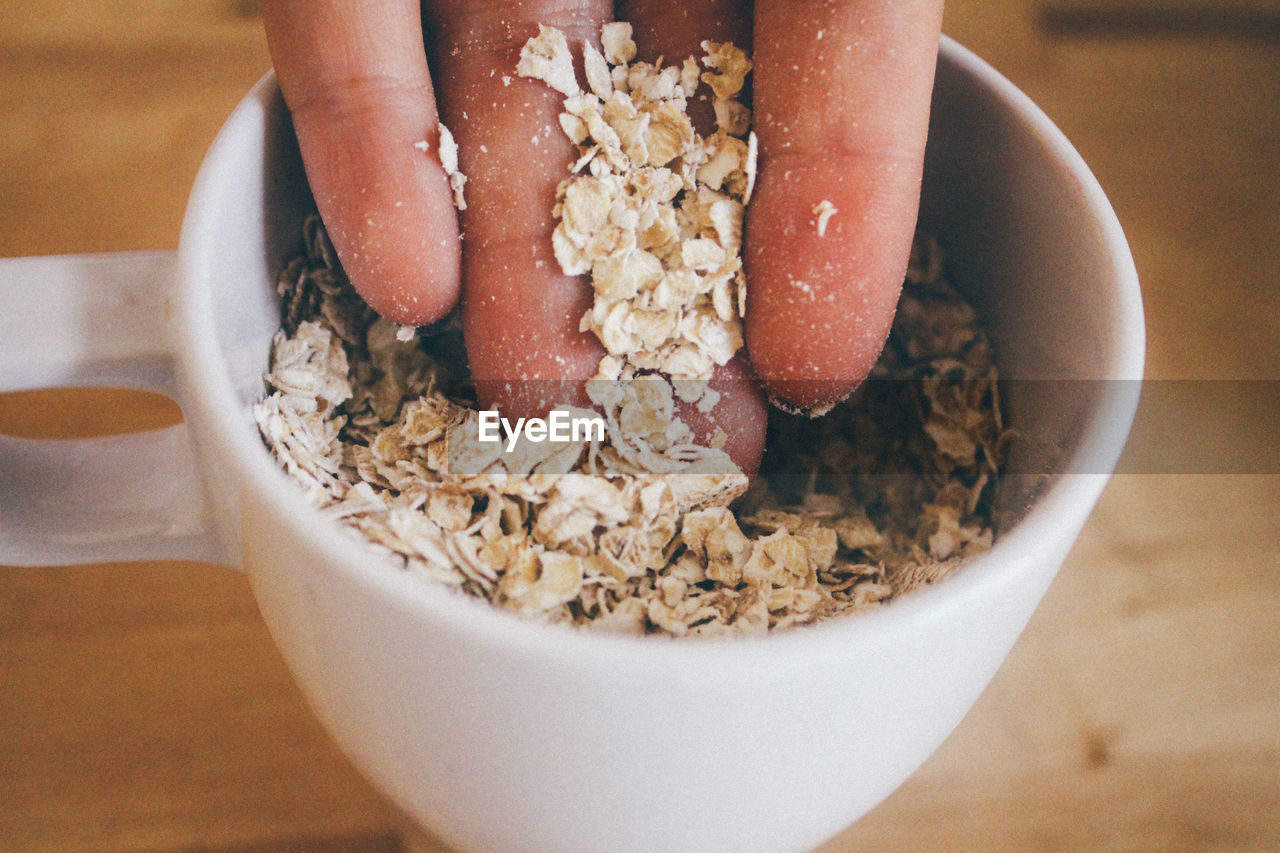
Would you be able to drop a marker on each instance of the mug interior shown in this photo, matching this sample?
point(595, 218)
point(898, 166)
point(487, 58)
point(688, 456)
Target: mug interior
point(1029, 237)
point(1033, 243)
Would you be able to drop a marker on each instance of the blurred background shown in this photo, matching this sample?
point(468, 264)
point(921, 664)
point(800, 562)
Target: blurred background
point(144, 707)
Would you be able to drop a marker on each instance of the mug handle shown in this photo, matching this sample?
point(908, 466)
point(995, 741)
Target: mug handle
point(97, 320)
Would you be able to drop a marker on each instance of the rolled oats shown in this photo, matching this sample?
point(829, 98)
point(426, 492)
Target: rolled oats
point(652, 209)
point(546, 56)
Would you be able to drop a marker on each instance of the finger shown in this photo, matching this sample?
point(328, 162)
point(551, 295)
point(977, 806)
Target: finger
point(841, 109)
point(520, 312)
point(354, 75)
point(674, 30)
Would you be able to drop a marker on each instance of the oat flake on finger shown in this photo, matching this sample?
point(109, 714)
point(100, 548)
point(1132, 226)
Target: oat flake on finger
point(652, 210)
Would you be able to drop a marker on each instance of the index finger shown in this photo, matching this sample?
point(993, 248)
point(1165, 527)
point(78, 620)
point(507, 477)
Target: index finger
point(354, 75)
point(842, 93)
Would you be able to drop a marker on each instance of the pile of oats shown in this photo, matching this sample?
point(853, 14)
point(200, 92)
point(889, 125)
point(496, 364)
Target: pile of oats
point(891, 490)
point(652, 209)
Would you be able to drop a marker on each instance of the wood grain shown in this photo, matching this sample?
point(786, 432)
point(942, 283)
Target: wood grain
point(143, 706)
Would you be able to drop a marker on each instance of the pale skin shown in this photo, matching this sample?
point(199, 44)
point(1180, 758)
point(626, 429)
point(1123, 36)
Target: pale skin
point(840, 94)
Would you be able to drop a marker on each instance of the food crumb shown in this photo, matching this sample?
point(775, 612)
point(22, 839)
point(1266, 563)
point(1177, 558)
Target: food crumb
point(824, 210)
point(447, 150)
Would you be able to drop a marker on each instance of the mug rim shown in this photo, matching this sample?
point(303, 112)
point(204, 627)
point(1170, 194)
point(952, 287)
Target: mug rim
point(1055, 515)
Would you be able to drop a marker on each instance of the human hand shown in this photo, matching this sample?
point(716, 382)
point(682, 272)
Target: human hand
point(841, 94)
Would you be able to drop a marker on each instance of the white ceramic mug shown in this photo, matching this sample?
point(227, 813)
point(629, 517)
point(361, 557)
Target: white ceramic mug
point(500, 734)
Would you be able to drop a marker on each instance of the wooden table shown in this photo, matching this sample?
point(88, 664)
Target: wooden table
point(143, 706)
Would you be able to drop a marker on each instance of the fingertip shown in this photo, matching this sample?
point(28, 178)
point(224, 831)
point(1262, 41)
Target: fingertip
point(398, 241)
point(827, 250)
point(404, 266)
point(387, 206)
